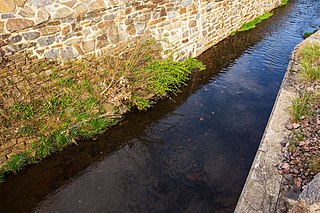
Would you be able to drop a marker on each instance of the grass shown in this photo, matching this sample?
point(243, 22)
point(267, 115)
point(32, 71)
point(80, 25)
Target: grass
point(252, 24)
point(303, 105)
point(308, 34)
point(82, 98)
point(306, 104)
point(294, 140)
point(314, 164)
point(309, 55)
point(309, 64)
point(283, 3)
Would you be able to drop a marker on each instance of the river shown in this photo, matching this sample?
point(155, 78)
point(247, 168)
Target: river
point(189, 153)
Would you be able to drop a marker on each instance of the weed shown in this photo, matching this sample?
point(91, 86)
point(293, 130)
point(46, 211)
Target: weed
point(67, 82)
point(308, 34)
point(87, 86)
point(27, 130)
point(78, 107)
point(17, 162)
point(309, 72)
point(167, 76)
point(141, 103)
point(45, 147)
point(310, 61)
point(310, 53)
point(283, 3)
point(25, 111)
point(94, 127)
point(252, 24)
point(294, 140)
point(314, 164)
point(2, 176)
point(54, 104)
point(300, 106)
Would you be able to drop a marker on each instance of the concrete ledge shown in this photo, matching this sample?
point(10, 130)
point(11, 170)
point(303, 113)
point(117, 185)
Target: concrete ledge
point(262, 188)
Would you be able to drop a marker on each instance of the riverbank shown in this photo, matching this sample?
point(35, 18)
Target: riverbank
point(263, 186)
point(301, 156)
point(82, 98)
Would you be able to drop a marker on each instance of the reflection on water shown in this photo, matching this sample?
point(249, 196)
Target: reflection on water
point(190, 153)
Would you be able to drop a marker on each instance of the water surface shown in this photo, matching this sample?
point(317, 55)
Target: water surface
point(190, 153)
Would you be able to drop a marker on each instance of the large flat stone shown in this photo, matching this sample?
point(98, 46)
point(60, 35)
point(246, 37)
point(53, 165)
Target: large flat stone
point(16, 24)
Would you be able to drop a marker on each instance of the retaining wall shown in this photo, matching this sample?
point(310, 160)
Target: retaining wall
point(31, 30)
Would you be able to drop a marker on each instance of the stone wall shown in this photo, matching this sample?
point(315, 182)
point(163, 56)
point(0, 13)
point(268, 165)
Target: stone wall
point(31, 30)
point(68, 29)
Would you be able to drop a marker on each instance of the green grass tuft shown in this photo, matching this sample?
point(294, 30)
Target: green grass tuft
point(310, 61)
point(308, 34)
point(17, 162)
point(24, 111)
point(283, 3)
point(252, 24)
point(141, 103)
point(301, 106)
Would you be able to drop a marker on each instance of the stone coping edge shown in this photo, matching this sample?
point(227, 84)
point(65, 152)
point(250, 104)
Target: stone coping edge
point(262, 188)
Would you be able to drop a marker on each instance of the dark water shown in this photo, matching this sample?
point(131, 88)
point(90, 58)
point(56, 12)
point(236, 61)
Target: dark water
point(190, 153)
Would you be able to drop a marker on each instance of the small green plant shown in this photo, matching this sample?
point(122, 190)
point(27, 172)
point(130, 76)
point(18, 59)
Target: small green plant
point(2, 176)
point(309, 72)
point(252, 24)
point(141, 103)
point(27, 130)
point(283, 3)
point(309, 55)
point(294, 140)
point(308, 34)
point(22, 110)
point(168, 75)
point(17, 162)
point(314, 164)
point(300, 106)
point(66, 82)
